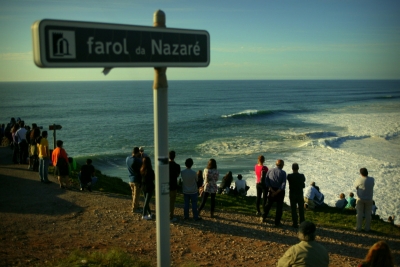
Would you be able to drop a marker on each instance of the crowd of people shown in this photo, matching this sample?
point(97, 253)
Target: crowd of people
point(271, 186)
point(30, 146)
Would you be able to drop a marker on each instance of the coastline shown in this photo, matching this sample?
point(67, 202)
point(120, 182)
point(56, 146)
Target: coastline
point(40, 223)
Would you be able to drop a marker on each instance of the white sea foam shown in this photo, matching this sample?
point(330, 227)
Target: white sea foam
point(244, 112)
point(333, 160)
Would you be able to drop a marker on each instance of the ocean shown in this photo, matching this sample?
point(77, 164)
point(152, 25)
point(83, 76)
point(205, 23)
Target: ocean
point(330, 128)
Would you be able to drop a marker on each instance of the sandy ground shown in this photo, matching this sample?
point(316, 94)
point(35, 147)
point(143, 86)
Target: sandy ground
point(41, 222)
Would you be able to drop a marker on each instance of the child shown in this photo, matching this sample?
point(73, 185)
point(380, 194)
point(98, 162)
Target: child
point(351, 201)
point(342, 202)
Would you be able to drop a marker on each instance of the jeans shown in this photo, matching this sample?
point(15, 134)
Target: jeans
point(193, 199)
point(43, 169)
point(147, 198)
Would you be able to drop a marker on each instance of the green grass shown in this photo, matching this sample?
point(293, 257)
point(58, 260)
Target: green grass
point(327, 217)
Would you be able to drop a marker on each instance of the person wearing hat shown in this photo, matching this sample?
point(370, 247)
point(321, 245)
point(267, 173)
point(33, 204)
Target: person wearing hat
point(306, 253)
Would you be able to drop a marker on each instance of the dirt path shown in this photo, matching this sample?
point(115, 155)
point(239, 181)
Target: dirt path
point(40, 222)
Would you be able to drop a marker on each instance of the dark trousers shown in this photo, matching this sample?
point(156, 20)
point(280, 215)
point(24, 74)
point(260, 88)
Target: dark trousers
point(146, 205)
point(15, 157)
point(297, 200)
point(204, 200)
point(261, 191)
point(279, 206)
point(23, 152)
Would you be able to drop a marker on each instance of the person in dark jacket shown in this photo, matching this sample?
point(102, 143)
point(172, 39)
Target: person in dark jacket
point(296, 184)
point(148, 178)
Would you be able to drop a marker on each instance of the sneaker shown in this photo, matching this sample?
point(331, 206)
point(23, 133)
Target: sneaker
point(263, 220)
point(174, 219)
point(258, 213)
point(146, 217)
point(198, 219)
point(81, 189)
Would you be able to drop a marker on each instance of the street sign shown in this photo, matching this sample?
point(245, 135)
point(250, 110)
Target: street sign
point(74, 44)
point(55, 127)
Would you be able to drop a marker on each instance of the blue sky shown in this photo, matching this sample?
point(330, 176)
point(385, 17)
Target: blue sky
point(287, 39)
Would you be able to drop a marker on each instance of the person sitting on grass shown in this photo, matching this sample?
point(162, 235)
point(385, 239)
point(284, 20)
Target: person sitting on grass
point(351, 202)
point(310, 195)
point(341, 202)
point(240, 186)
point(85, 176)
point(226, 183)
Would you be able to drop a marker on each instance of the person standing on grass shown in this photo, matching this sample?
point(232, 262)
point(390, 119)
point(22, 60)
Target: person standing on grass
point(260, 171)
point(174, 172)
point(296, 184)
point(189, 188)
point(148, 178)
point(365, 191)
point(44, 157)
point(306, 253)
point(134, 163)
point(275, 181)
point(210, 176)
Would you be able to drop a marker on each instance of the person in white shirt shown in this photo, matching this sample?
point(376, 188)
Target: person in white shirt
point(240, 186)
point(365, 192)
point(310, 193)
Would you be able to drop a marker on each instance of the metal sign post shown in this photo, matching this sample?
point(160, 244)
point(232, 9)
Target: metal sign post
point(54, 127)
point(160, 97)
